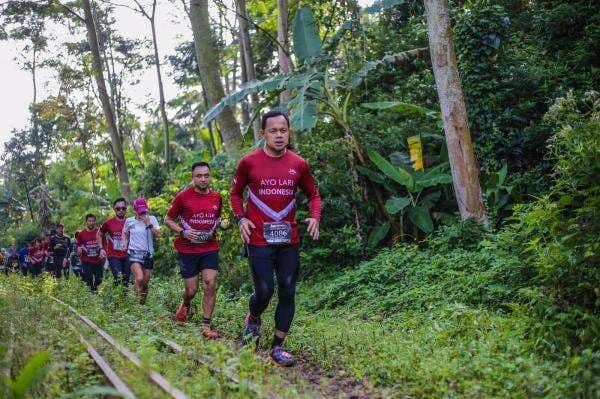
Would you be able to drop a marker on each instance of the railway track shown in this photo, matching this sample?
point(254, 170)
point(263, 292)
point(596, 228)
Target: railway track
point(152, 375)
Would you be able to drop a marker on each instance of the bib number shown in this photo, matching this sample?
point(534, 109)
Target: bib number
point(277, 233)
point(117, 244)
point(93, 252)
point(204, 236)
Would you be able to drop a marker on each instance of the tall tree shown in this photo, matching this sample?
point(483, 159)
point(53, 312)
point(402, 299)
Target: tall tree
point(247, 58)
point(285, 65)
point(463, 164)
point(207, 56)
point(151, 17)
point(109, 115)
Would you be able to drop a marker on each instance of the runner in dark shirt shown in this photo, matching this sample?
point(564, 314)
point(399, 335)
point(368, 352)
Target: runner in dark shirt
point(60, 246)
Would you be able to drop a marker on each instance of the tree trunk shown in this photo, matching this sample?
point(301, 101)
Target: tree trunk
point(161, 93)
point(115, 139)
point(454, 113)
point(285, 65)
point(244, 79)
point(207, 57)
point(247, 58)
point(33, 71)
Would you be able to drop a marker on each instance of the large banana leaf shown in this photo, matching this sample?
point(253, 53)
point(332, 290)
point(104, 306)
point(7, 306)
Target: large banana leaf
point(377, 234)
point(237, 96)
point(433, 176)
point(397, 58)
point(306, 39)
point(396, 204)
point(373, 176)
point(397, 174)
point(421, 218)
point(303, 107)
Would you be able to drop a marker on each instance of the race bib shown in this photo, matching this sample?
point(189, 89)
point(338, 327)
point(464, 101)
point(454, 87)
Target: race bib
point(277, 233)
point(93, 252)
point(117, 244)
point(204, 236)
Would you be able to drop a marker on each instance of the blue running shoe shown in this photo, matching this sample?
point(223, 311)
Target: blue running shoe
point(251, 330)
point(280, 357)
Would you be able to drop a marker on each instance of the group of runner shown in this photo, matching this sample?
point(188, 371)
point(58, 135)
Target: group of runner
point(50, 253)
point(267, 225)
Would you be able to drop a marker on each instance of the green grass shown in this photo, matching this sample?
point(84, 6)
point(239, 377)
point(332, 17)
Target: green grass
point(446, 349)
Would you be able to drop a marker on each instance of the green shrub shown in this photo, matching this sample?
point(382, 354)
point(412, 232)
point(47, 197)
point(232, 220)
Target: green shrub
point(457, 268)
point(560, 231)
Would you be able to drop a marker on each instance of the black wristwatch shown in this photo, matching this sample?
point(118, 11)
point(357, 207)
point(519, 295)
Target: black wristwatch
point(149, 226)
point(182, 233)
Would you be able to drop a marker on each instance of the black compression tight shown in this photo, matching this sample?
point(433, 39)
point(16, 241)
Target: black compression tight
point(284, 263)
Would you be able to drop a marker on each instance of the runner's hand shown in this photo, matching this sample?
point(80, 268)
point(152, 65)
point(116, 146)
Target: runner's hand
point(79, 251)
point(190, 234)
point(65, 262)
point(103, 254)
point(313, 228)
point(146, 219)
point(245, 230)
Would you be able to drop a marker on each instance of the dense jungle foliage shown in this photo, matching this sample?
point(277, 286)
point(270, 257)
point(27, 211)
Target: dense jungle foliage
point(405, 297)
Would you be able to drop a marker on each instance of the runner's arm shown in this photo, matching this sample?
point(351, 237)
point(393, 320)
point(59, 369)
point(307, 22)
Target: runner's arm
point(172, 214)
point(124, 238)
point(155, 229)
point(240, 182)
point(99, 235)
point(309, 187)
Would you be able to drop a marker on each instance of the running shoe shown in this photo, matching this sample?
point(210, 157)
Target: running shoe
point(251, 330)
point(181, 314)
point(280, 357)
point(209, 332)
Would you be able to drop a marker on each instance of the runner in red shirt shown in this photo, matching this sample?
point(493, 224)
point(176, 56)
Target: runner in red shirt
point(36, 254)
point(92, 260)
point(109, 240)
point(268, 226)
point(198, 209)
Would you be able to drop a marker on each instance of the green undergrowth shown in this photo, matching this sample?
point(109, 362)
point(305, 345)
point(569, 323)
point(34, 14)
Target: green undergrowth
point(450, 319)
point(42, 325)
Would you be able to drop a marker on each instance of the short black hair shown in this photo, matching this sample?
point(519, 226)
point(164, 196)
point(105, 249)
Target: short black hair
point(273, 114)
point(120, 199)
point(60, 225)
point(200, 163)
point(89, 215)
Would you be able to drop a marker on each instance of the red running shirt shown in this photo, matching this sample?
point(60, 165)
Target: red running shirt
point(90, 251)
point(111, 231)
point(199, 212)
point(273, 181)
point(36, 255)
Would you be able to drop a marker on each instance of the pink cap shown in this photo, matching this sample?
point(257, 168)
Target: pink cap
point(140, 205)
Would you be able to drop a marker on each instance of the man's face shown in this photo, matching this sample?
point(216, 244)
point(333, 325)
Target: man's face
point(90, 223)
point(120, 209)
point(276, 133)
point(60, 230)
point(201, 177)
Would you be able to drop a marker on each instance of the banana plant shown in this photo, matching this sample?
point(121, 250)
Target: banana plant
point(411, 200)
point(313, 89)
